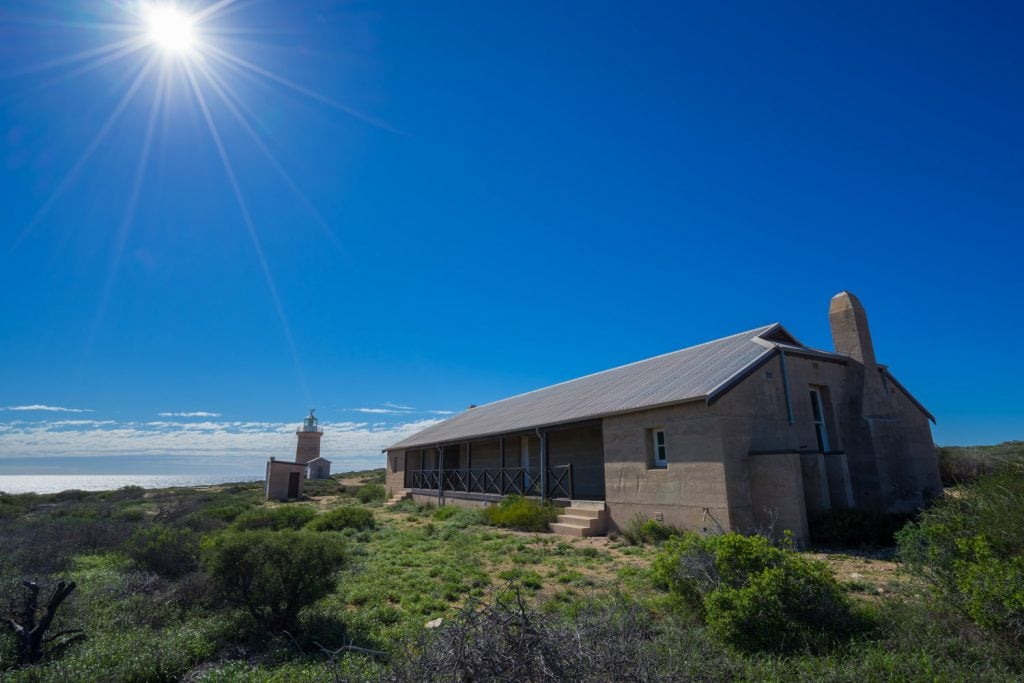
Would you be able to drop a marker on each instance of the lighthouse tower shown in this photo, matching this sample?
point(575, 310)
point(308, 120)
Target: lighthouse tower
point(308, 447)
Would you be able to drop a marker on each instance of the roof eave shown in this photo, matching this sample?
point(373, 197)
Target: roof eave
point(547, 425)
point(724, 388)
point(920, 406)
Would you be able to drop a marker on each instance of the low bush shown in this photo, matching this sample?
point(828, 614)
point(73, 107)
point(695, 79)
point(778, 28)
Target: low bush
point(75, 495)
point(445, 512)
point(524, 514)
point(164, 550)
point(322, 487)
point(348, 517)
point(970, 549)
point(13, 505)
point(224, 511)
point(377, 476)
point(755, 596)
point(371, 493)
point(457, 517)
point(852, 528)
point(276, 518)
point(130, 492)
point(274, 574)
point(640, 531)
point(45, 543)
point(959, 465)
point(503, 639)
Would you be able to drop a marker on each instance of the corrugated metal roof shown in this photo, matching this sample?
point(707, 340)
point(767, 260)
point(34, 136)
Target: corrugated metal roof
point(691, 373)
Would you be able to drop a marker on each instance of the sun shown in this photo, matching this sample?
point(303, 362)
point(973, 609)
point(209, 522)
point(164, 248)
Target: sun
point(170, 29)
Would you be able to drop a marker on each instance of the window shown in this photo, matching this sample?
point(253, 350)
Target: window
point(658, 448)
point(818, 411)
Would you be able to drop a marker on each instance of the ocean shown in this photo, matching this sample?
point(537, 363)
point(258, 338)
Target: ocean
point(53, 483)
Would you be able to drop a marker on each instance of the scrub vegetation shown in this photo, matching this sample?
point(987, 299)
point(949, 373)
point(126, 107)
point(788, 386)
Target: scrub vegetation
point(517, 512)
point(214, 584)
point(964, 464)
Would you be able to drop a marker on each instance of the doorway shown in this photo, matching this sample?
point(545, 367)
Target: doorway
point(293, 484)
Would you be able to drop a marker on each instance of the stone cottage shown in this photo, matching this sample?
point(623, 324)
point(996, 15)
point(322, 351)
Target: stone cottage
point(750, 432)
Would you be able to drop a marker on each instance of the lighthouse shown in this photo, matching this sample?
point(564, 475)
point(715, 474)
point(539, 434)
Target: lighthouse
point(308, 447)
point(307, 450)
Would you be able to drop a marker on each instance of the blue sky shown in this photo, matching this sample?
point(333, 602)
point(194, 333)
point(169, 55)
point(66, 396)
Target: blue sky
point(457, 201)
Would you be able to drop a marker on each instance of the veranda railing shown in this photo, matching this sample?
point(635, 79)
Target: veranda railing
point(502, 481)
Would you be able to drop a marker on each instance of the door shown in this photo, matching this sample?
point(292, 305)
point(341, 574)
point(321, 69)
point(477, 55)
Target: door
point(293, 484)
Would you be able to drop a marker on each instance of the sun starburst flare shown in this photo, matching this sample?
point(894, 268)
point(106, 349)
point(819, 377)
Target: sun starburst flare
point(170, 28)
point(184, 43)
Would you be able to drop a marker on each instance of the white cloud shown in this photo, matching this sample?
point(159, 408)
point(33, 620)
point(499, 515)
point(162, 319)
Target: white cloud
point(50, 409)
point(342, 440)
point(198, 413)
point(395, 409)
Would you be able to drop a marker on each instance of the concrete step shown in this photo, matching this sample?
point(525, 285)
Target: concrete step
point(579, 521)
point(588, 505)
point(398, 497)
point(588, 519)
point(589, 513)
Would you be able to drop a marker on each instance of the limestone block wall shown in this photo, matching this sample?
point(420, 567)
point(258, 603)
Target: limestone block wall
point(277, 476)
point(308, 446)
point(777, 495)
point(394, 477)
point(754, 417)
point(882, 456)
point(817, 495)
point(902, 440)
point(320, 470)
point(691, 492)
point(840, 489)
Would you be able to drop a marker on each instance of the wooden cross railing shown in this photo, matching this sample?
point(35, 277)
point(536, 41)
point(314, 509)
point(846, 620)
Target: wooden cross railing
point(505, 481)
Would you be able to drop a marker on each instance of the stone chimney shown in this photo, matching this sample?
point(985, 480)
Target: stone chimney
point(850, 334)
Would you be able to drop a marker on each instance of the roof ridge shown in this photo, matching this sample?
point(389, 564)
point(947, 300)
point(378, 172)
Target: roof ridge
point(754, 332)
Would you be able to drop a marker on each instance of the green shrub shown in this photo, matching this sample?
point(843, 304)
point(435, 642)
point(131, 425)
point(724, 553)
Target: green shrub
point(213, 518)
point(371, 493)
point(641, 530)
point(348, 517)
point(445, 512)
point(852, 528)
point(960, 465)
point(130, 492)
point(524, 514)
point(970, 548)
point(76, 495)
point(274, 574)
point(276, 518)
point(13, 505)
point(755, 596)
point(456, 517)
point(164, 550)
point(322, 487)
point(377, 476)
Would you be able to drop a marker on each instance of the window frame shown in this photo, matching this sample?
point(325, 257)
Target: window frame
point(658, 463)
point(819, 420)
